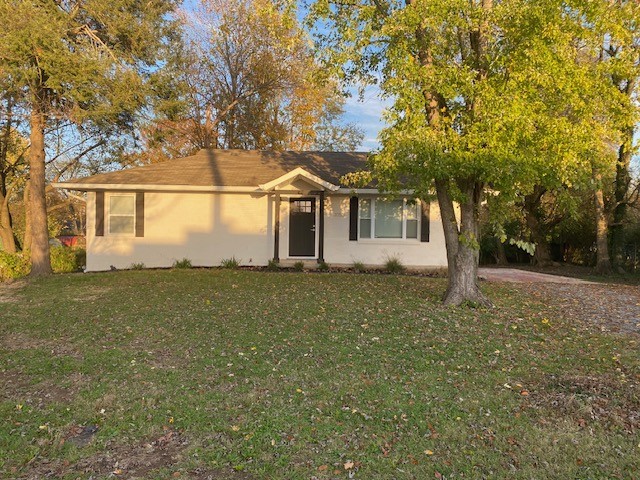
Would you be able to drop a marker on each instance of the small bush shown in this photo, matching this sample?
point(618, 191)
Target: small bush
point(13, 265)
point(67, 259)
point(298, 266)
point(323, 266)
point(232, 263)
point(137, 266)
point(394, 265)
point(358, 266)
point(184, 263)
point(273, 266)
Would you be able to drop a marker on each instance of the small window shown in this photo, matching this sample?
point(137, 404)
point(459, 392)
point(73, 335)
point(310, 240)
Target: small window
point(412, 219)
point(122, 214)
point(301, 206)
point(392, 219)
point(365, 218)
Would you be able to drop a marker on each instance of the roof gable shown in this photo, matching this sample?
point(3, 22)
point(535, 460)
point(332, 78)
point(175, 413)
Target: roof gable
point(299, 174)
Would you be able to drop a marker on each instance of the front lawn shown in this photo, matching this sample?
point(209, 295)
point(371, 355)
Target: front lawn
point(234, 374)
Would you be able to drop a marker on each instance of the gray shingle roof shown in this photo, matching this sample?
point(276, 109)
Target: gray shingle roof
point(237, 168)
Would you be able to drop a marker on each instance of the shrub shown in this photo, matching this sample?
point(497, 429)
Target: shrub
point(67, 259)
point(298, 266)
point(358, 266)
point(273, 266)
point(394, 265)
point(184, 263)
point(323, 266)
point(232, 263)
point(137, 266)
point(13, 265)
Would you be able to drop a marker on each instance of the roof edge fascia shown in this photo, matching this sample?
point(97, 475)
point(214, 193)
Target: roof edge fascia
point(89, 187)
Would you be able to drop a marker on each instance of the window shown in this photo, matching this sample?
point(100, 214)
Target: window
point(301, 206)
point(388, 218)
point(365, 218)
point(122, 214)
point(413, 214)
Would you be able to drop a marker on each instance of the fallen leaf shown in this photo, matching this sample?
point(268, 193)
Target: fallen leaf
point(348, 465)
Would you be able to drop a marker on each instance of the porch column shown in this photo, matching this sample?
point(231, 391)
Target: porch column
point(321, 229)
point(276, 231)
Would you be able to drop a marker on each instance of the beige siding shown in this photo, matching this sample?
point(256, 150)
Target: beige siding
point(412, 253)
point(207, 228)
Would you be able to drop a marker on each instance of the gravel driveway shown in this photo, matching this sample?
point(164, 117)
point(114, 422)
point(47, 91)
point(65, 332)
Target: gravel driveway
point(611, 307)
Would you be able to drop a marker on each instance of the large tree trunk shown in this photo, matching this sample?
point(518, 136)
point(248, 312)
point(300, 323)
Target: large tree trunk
point(462, 244)
point(501, 254)
point(6, 226)
point(40, 260)
point(26, 241)
point(623, 180)
point(603, 262)
point(6, 230)
point(534, 218)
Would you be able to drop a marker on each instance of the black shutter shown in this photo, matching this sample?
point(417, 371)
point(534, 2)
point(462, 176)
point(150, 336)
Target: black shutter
point(99, 214)
point(139, 214)
point(424, 220)
point(353, 218)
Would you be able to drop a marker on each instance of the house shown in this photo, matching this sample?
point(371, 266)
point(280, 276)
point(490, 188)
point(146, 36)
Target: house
point(254, 206)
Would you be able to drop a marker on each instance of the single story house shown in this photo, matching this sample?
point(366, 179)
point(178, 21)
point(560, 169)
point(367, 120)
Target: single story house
point(254, 206)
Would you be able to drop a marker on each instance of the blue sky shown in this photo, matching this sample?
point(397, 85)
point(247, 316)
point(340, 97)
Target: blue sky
point(366, 112)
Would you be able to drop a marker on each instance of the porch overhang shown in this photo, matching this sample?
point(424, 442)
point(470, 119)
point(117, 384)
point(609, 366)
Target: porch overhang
point(299, 174)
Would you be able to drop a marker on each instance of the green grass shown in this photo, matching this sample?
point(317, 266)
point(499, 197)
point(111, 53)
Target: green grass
point(277, 375)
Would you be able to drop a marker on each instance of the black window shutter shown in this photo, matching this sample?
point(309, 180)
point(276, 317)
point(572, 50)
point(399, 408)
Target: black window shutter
point(139, 214)
point(424, 220)
point(99, 214)
point(353, 218)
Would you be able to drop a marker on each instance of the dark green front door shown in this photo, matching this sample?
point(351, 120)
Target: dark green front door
point(302, 227)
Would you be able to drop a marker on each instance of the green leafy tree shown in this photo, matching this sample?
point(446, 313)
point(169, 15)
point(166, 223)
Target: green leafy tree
point(487, 94)
point(84, 61)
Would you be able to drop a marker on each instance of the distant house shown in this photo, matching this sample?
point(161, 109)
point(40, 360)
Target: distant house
point(255, 206)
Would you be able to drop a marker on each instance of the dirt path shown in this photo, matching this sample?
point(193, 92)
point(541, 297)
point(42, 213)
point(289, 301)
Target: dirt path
point(611, 307)
point(514, 275)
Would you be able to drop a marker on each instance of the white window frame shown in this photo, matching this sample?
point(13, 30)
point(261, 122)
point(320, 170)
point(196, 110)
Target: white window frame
point(372, 216)
point(109, 214)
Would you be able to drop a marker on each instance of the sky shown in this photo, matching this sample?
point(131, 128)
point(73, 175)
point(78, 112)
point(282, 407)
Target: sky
point(366, 112)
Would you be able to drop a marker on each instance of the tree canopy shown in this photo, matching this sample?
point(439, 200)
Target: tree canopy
point(486, 95)
point(245, 77)
point(84, 61)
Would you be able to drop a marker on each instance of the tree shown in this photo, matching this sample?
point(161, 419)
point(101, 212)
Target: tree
point(13, 148)
point(83, 61)
point(244, 77)
point(486, 94)
point(621, 50)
